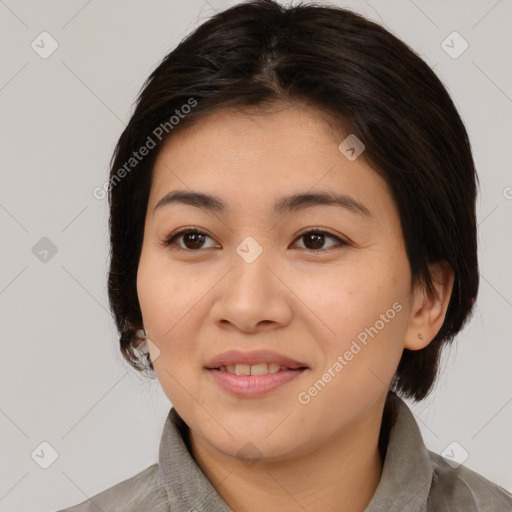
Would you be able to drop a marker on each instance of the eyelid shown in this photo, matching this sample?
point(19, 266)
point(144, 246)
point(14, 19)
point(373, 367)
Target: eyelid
point(323, 231)
point(341, 241)
point(170, 239)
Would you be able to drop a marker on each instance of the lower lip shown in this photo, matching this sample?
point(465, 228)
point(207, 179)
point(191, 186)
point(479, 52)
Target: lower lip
point(247, 386)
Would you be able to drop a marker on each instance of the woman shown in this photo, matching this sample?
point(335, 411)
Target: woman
point(293, 242)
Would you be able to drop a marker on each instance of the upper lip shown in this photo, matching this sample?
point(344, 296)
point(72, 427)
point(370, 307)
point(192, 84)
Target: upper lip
point(254, 357)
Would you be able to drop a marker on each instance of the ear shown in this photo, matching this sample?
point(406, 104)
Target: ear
point(429, 307)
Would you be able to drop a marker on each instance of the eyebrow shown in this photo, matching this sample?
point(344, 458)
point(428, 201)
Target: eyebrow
point(295, 202)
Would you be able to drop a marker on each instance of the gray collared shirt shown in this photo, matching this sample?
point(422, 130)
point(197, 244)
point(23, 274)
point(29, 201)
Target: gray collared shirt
point(413, 478)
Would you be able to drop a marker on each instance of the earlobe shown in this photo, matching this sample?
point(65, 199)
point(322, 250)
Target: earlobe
point(429, 307)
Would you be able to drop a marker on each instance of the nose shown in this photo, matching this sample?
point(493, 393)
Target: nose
point(252, 297)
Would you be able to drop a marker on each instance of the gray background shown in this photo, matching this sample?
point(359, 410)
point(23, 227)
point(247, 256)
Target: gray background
point(62, 379)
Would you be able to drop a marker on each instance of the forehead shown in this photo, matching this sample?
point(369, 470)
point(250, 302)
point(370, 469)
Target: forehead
point(246, 132)
point(255, 157)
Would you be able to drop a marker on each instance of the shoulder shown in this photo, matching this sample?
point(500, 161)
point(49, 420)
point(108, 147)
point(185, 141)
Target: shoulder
point(142, 491)
point(461, 489)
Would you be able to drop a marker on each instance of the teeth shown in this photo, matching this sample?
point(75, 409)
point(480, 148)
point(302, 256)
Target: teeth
point(259, 369)
point(242, 369)
point(274, 367)
point(254, 369)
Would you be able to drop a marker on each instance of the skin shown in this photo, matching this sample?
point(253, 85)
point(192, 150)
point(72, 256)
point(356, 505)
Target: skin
point(304, 302)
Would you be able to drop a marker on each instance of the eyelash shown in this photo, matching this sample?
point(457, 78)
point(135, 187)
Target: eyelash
point(171, 239)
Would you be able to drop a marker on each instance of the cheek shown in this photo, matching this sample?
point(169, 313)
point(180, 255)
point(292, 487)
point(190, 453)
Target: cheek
point(167, 300)
point(368, 316)
point(364, 308)
point(172, 301)
point(349, 298)
point(162, 295)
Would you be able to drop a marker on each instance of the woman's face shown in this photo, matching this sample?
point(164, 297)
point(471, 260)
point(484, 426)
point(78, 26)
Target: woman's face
point(339, 303)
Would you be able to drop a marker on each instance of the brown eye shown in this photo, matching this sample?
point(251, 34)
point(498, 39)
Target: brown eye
point(188, 239)
point(191, 239)
point(315, 239)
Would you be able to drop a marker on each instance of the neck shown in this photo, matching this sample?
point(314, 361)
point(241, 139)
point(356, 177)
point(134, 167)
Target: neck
point(342, 474)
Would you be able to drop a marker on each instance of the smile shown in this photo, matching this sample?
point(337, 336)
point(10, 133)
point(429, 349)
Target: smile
point(253, 369)
point(253, 385)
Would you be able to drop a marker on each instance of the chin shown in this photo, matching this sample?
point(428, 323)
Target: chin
point(263, 449)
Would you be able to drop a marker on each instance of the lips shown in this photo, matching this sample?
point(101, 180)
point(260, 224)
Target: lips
point(236, 358)
point(253, 374)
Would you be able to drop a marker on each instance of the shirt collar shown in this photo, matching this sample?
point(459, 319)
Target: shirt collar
point(185, 484)
point(407, 471)
point(404, 485)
